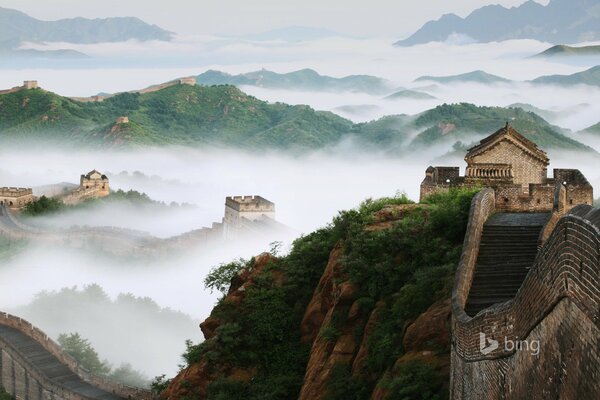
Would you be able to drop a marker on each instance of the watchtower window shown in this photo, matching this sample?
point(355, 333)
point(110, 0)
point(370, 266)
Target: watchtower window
point(506, 199)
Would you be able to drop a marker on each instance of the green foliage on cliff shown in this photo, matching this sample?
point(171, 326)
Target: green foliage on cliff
point(4, 395)
point(407, 266)
point(43, 206)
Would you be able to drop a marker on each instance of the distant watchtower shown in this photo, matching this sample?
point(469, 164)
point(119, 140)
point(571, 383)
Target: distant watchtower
point(30, 84)
point(122, 120)
point(239, 210)
point(190, 80)
point(95, 180)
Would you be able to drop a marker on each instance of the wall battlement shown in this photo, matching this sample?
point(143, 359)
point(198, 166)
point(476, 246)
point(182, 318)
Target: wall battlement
point(14, 197)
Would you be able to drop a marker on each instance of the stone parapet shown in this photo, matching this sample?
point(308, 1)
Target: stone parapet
point(53, 348)
point(558, 305)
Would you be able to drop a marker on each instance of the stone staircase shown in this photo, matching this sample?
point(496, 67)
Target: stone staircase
point(506, 253)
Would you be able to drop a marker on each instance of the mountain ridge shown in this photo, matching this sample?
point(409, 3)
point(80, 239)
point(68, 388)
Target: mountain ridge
point(183, 114)
point(304, 79)
point(17, 27)
point(561, 21)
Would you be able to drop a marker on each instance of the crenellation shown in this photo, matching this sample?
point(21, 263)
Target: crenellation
point(16, 198)
point(94, 184)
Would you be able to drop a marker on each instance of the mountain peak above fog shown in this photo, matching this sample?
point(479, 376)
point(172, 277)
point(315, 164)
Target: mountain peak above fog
point(17, 27)
point(561, 21)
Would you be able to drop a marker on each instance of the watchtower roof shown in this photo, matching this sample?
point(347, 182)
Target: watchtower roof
point(510, 134)
point(92, 172)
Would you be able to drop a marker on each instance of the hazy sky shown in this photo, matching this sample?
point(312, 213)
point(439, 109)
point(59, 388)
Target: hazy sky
point(357, 17)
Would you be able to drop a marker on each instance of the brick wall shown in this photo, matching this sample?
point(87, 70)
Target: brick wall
point(15, 381)
point(558, 305)
point(526, 169)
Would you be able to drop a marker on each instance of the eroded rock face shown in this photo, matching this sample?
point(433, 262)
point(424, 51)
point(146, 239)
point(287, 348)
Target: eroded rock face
point(333, 343)
point(336, 326)
point(194, 380)
point(430, 329)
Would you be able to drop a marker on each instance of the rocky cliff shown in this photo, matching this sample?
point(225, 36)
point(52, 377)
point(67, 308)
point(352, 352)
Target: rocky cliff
point(357, 310)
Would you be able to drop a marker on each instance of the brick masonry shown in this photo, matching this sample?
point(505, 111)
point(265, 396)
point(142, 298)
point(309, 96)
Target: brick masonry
point(516, 169)
point(23, 380)
point(557, 305)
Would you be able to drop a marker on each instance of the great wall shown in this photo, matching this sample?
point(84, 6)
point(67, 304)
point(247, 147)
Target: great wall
point(526, 298)
point(33, 367)
point(529, 274)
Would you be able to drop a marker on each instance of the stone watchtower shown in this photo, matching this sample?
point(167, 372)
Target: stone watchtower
point(30, 84)
point(517, 169)
point(95, 180)
point(241, 210)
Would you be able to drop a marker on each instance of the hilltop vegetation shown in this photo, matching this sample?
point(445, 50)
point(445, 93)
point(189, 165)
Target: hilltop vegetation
point(225, 116)
point(388, 260)
point(305, 79)
point(180, 114)
point(570, 51)
point(460, 121)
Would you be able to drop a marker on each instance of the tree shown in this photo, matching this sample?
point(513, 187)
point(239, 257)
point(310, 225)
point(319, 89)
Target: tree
point(82, 351)
point(129, 376)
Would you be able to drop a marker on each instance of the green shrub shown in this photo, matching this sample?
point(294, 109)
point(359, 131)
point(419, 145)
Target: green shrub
point(159, 384)
point(4, 395)
point(43, 206)
point(227, 389)
point(219, 278)
point(416, 380)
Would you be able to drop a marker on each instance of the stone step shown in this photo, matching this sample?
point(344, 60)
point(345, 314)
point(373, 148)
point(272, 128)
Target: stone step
point(507, 251)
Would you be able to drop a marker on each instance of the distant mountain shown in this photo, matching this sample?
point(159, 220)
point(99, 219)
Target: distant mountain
point(561, 21)
point(293, 34)
point(589, 77)
point(304, 80)
point(475, 76)
point(179, 114)
point(466, 123)
point(570, 51)
point(410, 95)
point(595, 129)
point(546, 114)
point(17, 27)
point(189, 115)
